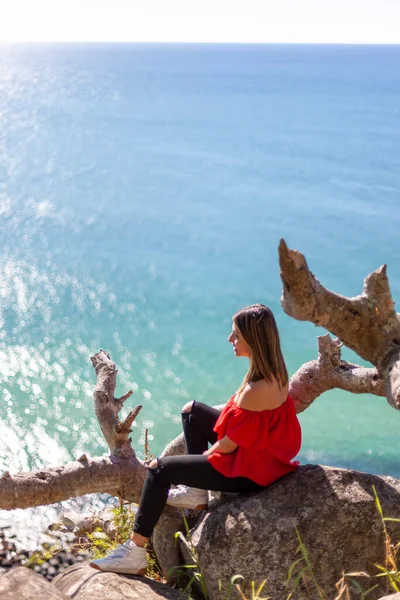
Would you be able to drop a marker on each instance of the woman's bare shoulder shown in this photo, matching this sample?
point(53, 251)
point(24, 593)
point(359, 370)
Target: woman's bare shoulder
point(261, 395)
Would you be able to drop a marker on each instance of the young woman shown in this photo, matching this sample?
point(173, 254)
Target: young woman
point(254, 440)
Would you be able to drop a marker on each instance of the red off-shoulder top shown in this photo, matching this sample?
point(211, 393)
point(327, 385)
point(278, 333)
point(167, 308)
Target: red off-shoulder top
point(267, 441)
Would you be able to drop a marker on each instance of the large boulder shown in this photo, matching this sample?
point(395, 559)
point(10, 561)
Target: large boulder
point(335, 513)
point(23, 584)
point(82, 582)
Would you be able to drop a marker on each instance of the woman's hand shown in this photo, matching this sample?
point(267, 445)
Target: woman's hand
point(225, 446)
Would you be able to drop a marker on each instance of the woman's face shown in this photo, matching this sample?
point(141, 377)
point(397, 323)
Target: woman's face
point(240, 346)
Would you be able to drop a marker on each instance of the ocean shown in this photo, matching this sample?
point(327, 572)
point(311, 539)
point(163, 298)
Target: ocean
point(143, 193)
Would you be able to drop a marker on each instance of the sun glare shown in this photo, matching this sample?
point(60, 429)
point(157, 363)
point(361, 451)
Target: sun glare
point(368, 21)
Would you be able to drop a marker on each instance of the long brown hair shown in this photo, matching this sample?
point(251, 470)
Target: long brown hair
point(257, 325)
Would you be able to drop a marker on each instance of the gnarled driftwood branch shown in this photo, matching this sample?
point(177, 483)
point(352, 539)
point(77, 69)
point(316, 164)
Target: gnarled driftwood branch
point(100, 475)
point(107, 407)
point(368, 323)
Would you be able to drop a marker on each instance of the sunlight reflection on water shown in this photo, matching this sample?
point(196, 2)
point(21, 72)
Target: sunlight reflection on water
point(143, 192)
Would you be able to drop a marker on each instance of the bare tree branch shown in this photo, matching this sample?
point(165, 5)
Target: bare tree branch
point(100, 475)
point(125, 397)
point(329, 372)
point(107, 407)
point(368, 323)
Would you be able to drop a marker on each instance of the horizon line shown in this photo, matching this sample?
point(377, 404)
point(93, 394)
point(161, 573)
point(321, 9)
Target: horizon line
point(204, 43)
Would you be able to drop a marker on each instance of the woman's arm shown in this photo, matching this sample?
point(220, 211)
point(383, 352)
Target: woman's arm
point(225, 446)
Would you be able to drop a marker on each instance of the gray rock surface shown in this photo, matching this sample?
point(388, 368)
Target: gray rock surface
point(391, 597)
point(163, 540)
point(21, 583)
point(335, 513)
point(82, 582)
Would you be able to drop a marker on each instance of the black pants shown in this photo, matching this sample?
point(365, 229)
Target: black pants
point(193, 469)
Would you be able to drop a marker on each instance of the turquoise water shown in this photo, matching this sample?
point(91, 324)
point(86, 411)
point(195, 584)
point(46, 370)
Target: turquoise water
point(143, 193)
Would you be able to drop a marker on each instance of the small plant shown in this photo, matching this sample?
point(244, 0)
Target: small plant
point(44, 554)
point(301, 571)
point(123, 518)
point(347, 583)
point(196, 577)
point(253, 588)
point(100, 543)
point(153, 568)
point(391, 569)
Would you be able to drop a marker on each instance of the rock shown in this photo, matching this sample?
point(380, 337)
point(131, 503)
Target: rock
point(391, 597)
point(163, 541)
point(35, 560)
point(85, 583)
point(336, 516)
point(23, 584)
point(81, 524)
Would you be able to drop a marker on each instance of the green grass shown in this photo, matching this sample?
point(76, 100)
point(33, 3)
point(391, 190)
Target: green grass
point(123, 518)
point(390, 569)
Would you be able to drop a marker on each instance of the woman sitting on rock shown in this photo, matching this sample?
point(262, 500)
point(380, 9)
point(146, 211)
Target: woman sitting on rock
point(254, 440)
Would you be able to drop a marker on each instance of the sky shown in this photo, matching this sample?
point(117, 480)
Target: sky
point(212, 21)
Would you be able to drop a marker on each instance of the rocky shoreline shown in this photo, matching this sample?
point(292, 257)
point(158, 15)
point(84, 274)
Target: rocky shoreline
point(37, 560)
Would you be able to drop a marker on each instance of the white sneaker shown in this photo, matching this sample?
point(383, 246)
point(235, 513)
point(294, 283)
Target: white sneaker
point(187, 497)
point(126, 558)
